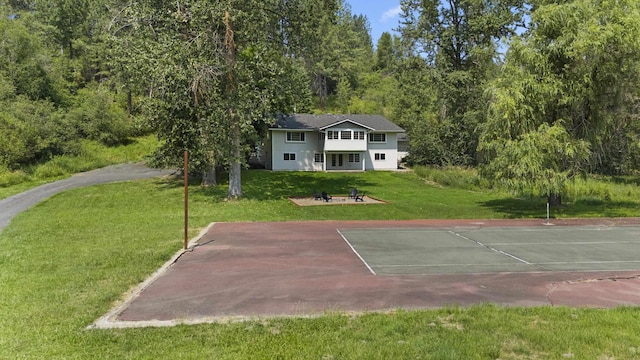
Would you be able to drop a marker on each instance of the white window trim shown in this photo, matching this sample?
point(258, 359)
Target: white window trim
point(302, 135)
point(371, 135)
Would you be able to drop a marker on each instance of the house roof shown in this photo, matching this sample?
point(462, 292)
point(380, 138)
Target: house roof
point(321, 122)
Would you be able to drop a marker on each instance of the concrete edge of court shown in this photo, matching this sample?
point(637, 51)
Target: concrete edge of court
point(108, 320)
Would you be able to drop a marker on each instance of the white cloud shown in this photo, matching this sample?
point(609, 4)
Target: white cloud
point(391, 13)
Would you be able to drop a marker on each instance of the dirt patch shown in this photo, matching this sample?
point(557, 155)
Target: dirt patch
point(336, 200)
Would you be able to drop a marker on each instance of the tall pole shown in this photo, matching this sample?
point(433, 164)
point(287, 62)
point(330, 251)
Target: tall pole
point(186, 198)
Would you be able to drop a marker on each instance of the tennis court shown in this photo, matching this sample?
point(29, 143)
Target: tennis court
point(396, 251)
point(248, 270)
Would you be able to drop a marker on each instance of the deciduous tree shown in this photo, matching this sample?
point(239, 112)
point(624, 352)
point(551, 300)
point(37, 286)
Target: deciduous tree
point(214, 71)
point(567, 97)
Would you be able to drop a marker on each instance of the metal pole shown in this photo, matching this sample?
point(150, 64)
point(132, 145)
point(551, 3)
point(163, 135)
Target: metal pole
point(547, 213)
point(186, 198)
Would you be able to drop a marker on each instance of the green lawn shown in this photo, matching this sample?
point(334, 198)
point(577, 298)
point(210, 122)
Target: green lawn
point(67, 260)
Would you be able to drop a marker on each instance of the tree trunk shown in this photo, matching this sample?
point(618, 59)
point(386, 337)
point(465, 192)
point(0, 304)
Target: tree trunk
point(555, 199)
point(235, 170)
point(209, 176)
point(129, 103)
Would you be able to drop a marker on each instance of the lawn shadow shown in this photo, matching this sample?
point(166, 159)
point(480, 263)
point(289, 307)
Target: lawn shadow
point(626, 180)
point(516, 208)
point(276, 185)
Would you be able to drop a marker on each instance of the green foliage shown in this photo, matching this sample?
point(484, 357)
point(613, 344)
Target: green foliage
point(458, 42)
point(558, 103)
point(541, 160)
point(25, 62)
point(454, 177)
point(98, 117)
point(90, 155)
point(31, 131)
point(213, 79)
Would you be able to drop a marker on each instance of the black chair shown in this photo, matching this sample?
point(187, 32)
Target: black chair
point(354, 193)
point(360, 197)
point(326, 197)
point(316, 195)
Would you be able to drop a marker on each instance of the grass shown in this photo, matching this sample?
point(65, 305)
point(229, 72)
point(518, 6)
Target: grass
point(67, 260)
point(92, 155)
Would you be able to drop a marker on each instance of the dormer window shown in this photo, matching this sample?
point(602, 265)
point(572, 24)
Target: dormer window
point(295, 136)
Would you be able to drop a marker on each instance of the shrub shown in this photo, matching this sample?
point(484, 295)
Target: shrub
point(452, 176)
point(98, 117)
point(32, 131)
point(8, 177)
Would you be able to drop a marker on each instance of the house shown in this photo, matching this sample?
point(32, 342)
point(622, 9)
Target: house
point(309, 142)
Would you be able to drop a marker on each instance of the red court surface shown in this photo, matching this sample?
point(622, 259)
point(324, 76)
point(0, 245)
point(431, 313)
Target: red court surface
point(238, 271)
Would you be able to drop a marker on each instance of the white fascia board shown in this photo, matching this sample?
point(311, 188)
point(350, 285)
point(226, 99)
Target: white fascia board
point(344, 121)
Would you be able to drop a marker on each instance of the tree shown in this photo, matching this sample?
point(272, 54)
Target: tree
point(566, 98)
point(68, 19)
point(213, 72)
point(385, 56)
point(334, 44)
point(458, 39)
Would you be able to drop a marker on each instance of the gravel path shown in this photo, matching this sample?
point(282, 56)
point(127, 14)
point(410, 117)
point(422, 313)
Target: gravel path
point(18, 203)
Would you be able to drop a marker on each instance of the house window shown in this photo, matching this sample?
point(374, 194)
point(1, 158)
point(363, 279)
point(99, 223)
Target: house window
point(358, 135)
point(377, 137)
point(345, 135)
point(295, 136)
point(332, 135)
point(319, 158)
point(379, 156)
point(289, 156)
point(354, 158)
point(333, 160)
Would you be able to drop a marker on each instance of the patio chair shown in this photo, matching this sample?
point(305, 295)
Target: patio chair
point(316, 195)
point(326, 197)
point(354, 193)
point(360, 197)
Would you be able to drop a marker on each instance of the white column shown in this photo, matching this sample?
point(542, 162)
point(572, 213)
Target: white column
point(324, 162)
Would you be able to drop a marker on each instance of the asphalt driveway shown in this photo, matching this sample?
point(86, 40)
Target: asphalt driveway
point(18, 203)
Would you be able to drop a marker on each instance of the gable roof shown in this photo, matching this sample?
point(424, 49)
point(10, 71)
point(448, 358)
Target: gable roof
point(321, 122)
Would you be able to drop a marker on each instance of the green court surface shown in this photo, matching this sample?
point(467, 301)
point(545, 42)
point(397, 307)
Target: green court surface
point(430, 251)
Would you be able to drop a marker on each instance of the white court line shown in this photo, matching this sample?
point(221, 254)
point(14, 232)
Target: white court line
point(397, 230)
point(545, 229)
point(589, 262)
point(491, 248)
point(356, 252)
point(501, 264)
point(566, 243)
point(441, 265)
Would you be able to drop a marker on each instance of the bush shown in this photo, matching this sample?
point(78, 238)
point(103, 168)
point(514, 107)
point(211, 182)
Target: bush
point(452, 176)
point(98, 117)
point(32, 131)
point(8, 177)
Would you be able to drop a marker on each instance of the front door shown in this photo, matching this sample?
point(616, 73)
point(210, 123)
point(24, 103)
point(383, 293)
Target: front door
point(337, 161)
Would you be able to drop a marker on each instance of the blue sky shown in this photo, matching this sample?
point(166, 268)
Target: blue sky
point(383, 15)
